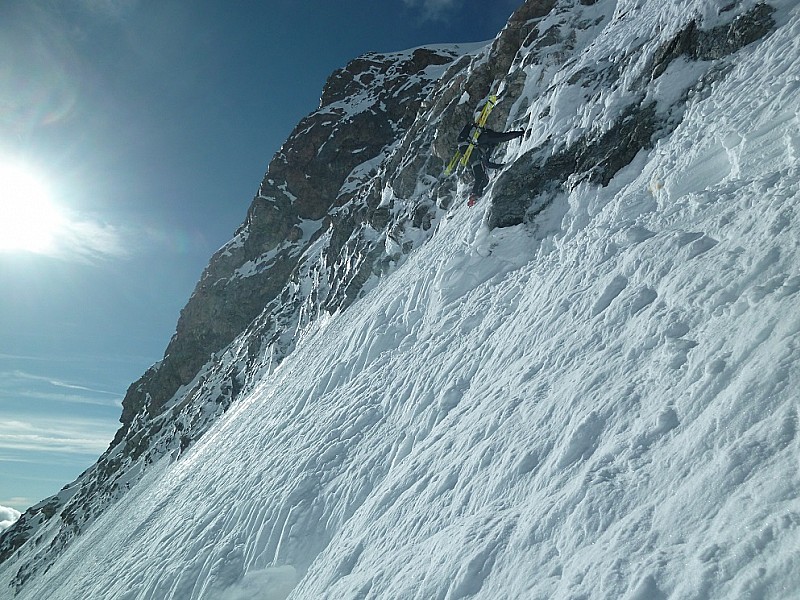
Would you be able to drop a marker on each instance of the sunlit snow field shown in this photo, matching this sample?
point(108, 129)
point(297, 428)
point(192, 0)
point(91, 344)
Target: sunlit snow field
point(603, 405)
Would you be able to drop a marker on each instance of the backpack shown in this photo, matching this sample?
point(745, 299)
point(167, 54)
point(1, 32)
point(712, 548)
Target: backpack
point(466, 134)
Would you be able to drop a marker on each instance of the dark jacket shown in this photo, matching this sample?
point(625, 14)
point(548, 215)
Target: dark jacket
point(480, 160)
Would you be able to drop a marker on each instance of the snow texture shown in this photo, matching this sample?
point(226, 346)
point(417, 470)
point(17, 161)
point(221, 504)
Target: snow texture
point(603, 405)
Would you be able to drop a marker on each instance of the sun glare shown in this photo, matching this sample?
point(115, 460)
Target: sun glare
point(29, 221)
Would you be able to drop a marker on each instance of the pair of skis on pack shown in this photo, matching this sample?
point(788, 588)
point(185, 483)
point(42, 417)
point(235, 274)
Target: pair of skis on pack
point(462, 158)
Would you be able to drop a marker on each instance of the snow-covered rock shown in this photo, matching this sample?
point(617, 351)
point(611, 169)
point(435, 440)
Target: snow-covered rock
point(583, 387)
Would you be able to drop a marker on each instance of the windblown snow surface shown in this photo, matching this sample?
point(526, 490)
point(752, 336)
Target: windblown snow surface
point(604, 405)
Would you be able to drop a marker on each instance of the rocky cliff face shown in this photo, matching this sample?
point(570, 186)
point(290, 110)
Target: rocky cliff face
point(313, 236)
point(357, 186)
point(327, 159)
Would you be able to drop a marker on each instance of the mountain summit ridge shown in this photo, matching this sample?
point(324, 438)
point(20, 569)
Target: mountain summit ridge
point(575, 389)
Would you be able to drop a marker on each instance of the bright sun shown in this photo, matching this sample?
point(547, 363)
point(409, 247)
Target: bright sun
point(29, 221)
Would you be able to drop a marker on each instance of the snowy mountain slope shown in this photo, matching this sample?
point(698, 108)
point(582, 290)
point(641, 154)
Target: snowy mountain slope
point(284, 265)
point(598, 402)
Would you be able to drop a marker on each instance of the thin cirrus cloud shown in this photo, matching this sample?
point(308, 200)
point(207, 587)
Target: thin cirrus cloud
point(33, 390)
point(87, 241)
point(60, 436)
point(69, 398)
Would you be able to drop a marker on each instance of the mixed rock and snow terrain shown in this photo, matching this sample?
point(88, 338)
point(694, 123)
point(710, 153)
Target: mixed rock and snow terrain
point(583, 387)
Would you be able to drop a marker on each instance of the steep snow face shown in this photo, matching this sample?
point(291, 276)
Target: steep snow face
point(598, 402)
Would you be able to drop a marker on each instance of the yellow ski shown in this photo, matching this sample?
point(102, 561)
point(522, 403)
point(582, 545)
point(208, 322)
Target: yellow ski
point(480, 123)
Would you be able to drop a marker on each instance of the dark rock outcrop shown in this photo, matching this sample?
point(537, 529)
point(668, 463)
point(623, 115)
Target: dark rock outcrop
point(530, 184)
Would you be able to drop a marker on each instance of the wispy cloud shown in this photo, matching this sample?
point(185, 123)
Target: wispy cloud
point(7, 356)
point(69, 398)
point(34, 218)
point(434, 9)
point(20, 502)
point(8, 516)
point(15, 459)
point(76, 358)
point(18, 384)
point(89, 241)
point(56, 382)
point(63, 436)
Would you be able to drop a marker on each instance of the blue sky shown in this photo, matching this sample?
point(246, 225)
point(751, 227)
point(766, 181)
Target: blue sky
point(150, 123)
